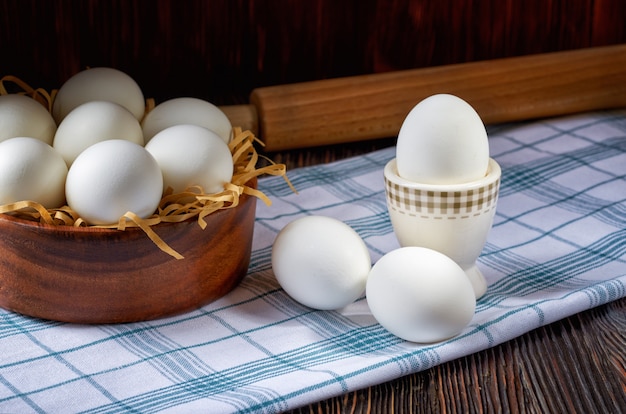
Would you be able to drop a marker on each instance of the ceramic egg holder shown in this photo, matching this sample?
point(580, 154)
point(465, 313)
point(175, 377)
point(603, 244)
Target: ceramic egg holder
point(453, 219)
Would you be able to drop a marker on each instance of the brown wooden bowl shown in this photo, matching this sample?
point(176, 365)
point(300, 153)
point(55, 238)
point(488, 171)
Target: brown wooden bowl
point(93, 275)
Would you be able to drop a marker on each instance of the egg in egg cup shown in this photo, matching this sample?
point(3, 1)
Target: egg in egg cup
point(454, 219)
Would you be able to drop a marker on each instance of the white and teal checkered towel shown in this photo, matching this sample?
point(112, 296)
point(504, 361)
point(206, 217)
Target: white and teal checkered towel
point(557, 247)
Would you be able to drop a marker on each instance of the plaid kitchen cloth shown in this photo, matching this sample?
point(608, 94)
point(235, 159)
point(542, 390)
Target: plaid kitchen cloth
point(557, 247)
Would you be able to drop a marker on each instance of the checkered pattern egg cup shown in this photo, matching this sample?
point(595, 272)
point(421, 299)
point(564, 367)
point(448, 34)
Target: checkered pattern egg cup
point(454, 219)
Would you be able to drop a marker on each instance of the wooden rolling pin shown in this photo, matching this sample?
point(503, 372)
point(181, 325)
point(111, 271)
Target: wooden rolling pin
point(358, 108)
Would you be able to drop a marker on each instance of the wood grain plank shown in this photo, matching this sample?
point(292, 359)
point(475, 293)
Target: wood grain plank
point(221, 50)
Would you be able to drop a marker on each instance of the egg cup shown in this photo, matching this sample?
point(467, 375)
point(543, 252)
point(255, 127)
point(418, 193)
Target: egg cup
point(453, 219)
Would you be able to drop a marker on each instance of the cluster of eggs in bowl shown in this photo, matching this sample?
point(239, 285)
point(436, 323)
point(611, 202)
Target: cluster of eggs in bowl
point(99, 152)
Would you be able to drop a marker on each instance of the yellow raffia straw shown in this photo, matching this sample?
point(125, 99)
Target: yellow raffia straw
point(40, 95)
point(173, 208)
point(145, 226)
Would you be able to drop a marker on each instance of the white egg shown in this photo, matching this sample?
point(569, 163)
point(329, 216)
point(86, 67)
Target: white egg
point(31, 170)
point(99, 84)
point(22, 116)
point(321, 262)
point(93, 122)
point(186, 111)
point(420, 295)
point(111, 178)
point(442, 141)
point(192, 155)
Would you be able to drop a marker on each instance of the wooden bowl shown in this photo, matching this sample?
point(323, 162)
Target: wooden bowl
point(92, 275)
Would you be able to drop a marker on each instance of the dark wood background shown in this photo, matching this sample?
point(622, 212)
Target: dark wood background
point(220, 50)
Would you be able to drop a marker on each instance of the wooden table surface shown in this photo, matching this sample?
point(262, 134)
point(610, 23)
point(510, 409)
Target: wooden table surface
point(575, 365)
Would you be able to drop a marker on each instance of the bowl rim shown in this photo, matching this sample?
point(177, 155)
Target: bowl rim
point(91, 229)
point(53, 228)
